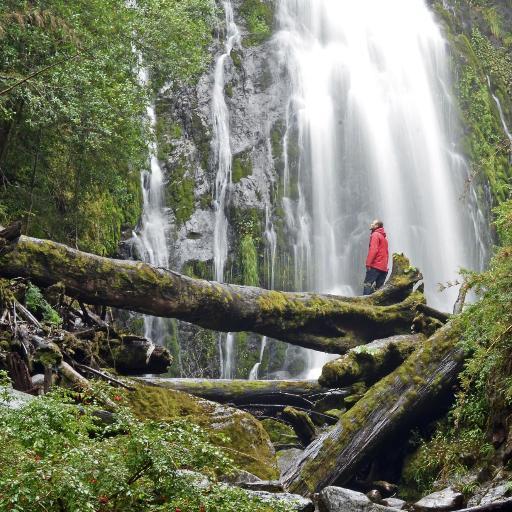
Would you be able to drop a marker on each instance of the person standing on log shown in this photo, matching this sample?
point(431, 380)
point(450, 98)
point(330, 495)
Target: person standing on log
point(377, 259)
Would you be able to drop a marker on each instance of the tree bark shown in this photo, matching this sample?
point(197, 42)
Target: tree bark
point(239, 391)
point(393, 405)
point(370, 362)
point(322, 322)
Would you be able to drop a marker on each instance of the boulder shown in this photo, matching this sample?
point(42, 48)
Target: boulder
point(490, 494)
point(337, 499)
point(293, 502)
point(248, 443)
point(394, 503)
point(447, 499)
point(14, 399)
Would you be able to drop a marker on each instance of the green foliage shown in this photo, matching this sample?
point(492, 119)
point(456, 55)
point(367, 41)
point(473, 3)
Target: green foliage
point(57, 456)
point(74, 138)
point(485, 141)
point(174, 38)
point(249, 261)
point(38, 305)
point(242, 166)
point(180, 194)
point(198, 269)
point(258, 16)
point(494, 21)
point(485, 396)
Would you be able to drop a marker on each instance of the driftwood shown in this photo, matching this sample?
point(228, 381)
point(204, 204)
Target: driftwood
point(71, 375)
point(322, 322)
point(393, 405)
point(105, 376)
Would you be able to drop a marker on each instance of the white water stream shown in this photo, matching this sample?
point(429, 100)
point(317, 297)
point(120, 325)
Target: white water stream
point(152, 240)
point(371, 111)
point(223, 157)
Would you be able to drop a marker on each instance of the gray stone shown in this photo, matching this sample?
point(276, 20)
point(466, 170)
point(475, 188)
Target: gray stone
point(447, 499)
point(293, 502)
point(287, 457)
point(338, 499)
point(374, 495)
point(491, 494)
point(394, 503)
point(38, 379)
point(14, 399)
point(241, 476)
point(196, 479)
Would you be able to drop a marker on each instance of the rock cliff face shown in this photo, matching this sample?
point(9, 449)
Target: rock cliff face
point(256, 93)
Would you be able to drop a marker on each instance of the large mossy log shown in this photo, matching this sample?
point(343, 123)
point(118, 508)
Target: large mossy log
point(391, 406)
point(371, 362)
point(238, 391)
point(322, 322)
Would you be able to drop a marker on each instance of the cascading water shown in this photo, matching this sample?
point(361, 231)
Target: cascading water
point(151, 241)
point(270, 237)
point(370, 112)
point(223, 157)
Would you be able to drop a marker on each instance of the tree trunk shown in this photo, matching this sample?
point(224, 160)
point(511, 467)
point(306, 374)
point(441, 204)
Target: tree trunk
point(370, 362)
point(301, 393)
point(393, 405)
point(322, 322)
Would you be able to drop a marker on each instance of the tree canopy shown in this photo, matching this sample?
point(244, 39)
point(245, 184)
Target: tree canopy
point(73, 132)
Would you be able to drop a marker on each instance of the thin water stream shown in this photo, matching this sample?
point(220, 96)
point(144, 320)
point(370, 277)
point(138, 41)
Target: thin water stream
point(223, 157)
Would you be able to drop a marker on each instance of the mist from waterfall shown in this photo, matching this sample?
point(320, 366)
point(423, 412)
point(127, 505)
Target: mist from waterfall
point(371, 112)
point(223, 157)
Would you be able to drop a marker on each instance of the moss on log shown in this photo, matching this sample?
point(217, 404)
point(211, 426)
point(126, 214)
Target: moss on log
point(238, 390)
point(323, 322)
point(391, 406)
point(369, 363)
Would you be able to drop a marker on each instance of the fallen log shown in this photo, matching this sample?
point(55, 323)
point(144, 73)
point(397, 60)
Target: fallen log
point(369, 363)
point(391, 406)
point(322, 322)
point(239, 391)
point(301, 424)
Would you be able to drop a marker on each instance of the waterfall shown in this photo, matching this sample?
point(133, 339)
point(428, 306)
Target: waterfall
point(270, 238)
point(370, 111)
point(151, 241)
point(253, 375)
point(223, 156)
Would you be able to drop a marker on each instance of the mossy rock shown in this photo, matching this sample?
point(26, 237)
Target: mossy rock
point(242, 166)
point(249, 444)
point(280, 433)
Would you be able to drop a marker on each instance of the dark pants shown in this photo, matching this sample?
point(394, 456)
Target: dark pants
point(373, 280)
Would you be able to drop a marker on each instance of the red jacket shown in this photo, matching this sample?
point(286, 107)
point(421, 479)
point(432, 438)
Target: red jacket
point(378, 252)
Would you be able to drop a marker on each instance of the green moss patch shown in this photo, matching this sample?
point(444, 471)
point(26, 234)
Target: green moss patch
point(259, 18)
point(242, 166)
point(243, 436)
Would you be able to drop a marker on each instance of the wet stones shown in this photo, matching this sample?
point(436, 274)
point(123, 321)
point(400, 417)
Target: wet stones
point(335, 499)
point(447, 499)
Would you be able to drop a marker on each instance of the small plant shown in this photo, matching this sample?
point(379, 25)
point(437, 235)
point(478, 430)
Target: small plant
point(36, 303)
point(57, 455)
